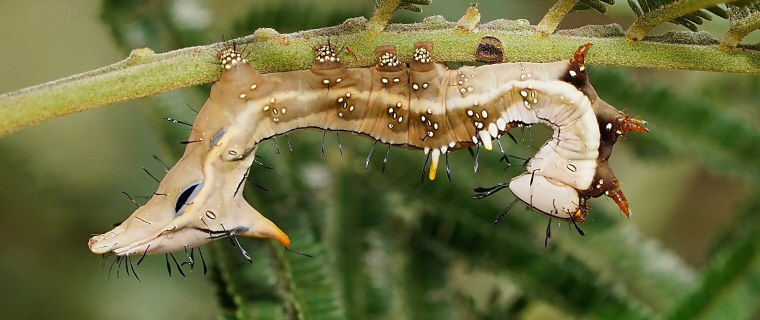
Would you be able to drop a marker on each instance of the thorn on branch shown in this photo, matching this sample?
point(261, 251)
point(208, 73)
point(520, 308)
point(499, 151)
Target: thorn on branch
point(385, 9)
point(556, 14)
point(743, 21)
point(470, 19)
point(685, 13)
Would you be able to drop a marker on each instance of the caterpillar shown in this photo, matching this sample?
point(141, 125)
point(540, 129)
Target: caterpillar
point(421, 105)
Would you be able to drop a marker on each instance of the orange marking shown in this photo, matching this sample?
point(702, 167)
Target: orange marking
point(580, 54)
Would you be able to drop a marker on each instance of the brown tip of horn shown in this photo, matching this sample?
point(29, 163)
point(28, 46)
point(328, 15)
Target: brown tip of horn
point(619, 198)
point(632, 123)
point(580, 54)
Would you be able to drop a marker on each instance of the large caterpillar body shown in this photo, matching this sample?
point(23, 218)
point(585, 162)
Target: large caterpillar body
point(419, 105)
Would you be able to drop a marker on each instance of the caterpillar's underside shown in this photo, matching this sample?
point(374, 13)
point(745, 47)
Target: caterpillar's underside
point(419, 105)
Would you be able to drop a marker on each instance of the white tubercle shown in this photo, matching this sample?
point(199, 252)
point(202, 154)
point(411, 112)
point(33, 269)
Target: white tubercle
point(493, 130)
point(501, 124)
point(434, 164)
point(486, 139)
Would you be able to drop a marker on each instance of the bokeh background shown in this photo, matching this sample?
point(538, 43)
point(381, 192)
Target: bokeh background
point(388, 246)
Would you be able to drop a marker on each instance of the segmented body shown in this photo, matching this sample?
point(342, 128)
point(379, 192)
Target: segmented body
point(422, 105)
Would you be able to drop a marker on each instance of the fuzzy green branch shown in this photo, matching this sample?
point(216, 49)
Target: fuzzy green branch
point(741, 29)
point(383, 14)
point(666, 13)
point(145, 74)
point(556, 14)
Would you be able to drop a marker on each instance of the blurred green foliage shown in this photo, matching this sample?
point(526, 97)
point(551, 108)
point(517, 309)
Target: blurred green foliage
point(385, 246)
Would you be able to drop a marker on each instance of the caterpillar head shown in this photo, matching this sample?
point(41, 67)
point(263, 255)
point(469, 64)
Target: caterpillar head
point(201, 198)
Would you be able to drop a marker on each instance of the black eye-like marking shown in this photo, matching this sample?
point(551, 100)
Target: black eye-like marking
point(186, 197)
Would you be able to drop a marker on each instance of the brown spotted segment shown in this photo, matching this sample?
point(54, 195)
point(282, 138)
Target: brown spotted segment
point(429, 128)
point(489, 50)
point(422, 105)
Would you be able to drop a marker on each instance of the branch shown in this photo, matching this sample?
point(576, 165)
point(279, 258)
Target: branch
point(556, 14)
point(666, 13)
point(741, 27)
point(383, 14)
point(144, 73)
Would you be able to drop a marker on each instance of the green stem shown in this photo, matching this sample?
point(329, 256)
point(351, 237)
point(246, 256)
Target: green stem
point(741, 29)
point(143, 74)
point(382, 15)
point(675, 9)
point(556, 14)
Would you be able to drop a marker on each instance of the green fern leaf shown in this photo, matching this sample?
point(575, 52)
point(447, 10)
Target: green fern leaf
point(690, 21)
point(598, 5)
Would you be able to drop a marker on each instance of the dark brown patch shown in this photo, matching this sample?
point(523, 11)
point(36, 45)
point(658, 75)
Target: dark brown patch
point(576, 76)
point(489, 50)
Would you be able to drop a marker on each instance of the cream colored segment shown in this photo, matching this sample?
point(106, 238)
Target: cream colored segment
point(578, 173)
point(576, 131)
point(546, 195)
point(521, 71)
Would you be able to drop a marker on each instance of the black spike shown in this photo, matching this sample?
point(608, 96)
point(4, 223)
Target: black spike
point(276, 149)
point(424, 167)
point(503, 154)
point(203, 261)
point(299, 252)
point(237, 243)
point(166, 167)
point(168, 266)
point(504, 212)
point(385, 160)
point(132, 266)
point(448, 169)
point(340, 146)
point(179, 268)
point(577, 228)
point(369, 156)
point(256, 184)
point(512, 137)
point(548, 232)
point(483, 192)
point(190, 261)
point(130, 198)
point(143, 255)
point(324, 134)
point(178, 121)
point(151, 175)
point(532, 175)
point(115, 260)
point(191, 108)
point(290, 148)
